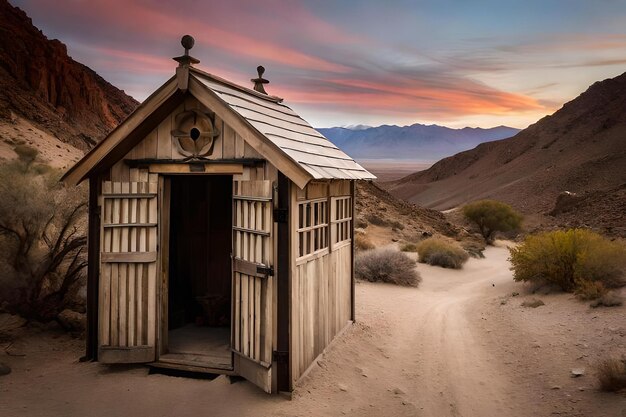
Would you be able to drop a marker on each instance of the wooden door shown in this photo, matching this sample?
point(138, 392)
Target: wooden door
point(128, 271)
point(253, 281)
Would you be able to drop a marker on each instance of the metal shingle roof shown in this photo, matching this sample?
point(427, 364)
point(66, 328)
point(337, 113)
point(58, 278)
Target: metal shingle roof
point(288, 131)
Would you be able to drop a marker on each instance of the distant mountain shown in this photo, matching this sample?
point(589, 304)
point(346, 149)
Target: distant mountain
point(40, 83)
point(415, 142)
point(581, 149)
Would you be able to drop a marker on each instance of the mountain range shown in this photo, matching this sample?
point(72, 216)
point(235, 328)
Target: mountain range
point(568, 168)
point(417, 142)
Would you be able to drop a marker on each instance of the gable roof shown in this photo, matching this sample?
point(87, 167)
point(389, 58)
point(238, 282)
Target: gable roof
point(271, 127)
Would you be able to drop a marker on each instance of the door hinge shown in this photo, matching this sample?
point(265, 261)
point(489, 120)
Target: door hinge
point(281, 215)
point(280, 356)
point(265, 270)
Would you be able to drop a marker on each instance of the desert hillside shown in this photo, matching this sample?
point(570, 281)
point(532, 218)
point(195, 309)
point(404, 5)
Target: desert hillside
point(58, 96)
point(581, 149)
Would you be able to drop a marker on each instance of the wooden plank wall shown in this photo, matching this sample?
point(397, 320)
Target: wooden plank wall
point(321, 292)
point(128, 273)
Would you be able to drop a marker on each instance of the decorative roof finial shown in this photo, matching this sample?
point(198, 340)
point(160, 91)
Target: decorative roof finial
point(187, 42)
point(258, 82)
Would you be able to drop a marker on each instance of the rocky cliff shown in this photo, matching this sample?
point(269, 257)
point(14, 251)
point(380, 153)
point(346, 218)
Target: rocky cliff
point(40, 82)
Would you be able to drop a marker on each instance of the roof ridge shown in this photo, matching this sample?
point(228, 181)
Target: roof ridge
point(231, 84)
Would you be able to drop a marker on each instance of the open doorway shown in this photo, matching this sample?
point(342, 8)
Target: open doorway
point(199, 288)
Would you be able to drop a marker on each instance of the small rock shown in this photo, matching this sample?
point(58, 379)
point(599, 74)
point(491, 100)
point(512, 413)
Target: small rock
point(72, 320)
point(10, 322)
point(4, 369)
point(397, 391)
point(536, 345)
point(533, 303)
point(515, 294)
point(555, 387)
point(342, 387)
point(576, 372)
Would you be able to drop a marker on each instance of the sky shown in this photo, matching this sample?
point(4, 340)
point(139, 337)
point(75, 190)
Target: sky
point(478, 63)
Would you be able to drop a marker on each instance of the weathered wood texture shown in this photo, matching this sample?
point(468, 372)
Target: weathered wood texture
point(321, 288)
point(128, 272)
point(159, 144)
point(253, 292)
point(321, 291)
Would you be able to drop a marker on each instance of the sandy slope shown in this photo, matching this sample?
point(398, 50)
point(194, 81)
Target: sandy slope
point(447, 348)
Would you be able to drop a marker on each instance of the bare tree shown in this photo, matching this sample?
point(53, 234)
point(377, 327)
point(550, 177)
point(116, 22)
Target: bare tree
point(42, 239)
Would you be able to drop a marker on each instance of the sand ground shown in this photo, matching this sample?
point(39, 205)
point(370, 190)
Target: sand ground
point(459, 345)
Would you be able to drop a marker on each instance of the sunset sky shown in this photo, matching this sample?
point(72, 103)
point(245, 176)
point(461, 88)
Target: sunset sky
point(456, 63)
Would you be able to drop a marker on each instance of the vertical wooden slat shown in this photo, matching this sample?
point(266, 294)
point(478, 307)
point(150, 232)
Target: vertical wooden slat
point(164, 137)
point(152, 267)
point(257, 317)
point(251, 303)
point(114, 325)
point(123, 268)
point(251, 237)
point(132, 268)
point(259, 226)
point(239, 146)
point(104, 307)
point(237, 334)
point(245, 222)
point(245, 287)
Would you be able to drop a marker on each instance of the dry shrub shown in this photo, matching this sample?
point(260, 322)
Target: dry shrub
point(408, 247)
point(589, 290)
point(612, 374)
point(569, 259)
point(376, 220)
point(440, 252)
point(396, 224)
point(26, 153)
point(360, 223)
point(386, 265)
point(610, 299)
point(362, 242)
point(42, 239)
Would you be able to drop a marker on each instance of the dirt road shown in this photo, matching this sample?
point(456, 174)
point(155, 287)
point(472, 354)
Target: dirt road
point(458, 345)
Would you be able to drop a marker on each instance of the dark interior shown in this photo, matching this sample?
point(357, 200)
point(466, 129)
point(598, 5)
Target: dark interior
point(199, 290)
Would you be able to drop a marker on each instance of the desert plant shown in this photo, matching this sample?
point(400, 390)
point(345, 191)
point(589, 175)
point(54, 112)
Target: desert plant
point(612, 374)
point(610, 299)
point(569, 259)
point(396, 225)
point(589, 290)
point(42, 240)
point(362, 242)
point(376, 220)
point(386, 265)
point(492, 216)
point(26, 154)
point(440, 252)
point(408, 247)
point(360, 223)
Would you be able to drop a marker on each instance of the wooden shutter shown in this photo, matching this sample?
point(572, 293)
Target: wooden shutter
point(128, 271)
point(253, 281)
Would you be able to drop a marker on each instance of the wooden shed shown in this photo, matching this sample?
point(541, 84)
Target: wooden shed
point(220, 233)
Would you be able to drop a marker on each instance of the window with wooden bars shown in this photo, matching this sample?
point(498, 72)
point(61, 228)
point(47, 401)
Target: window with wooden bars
point(312, 226)
point(341, 219)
